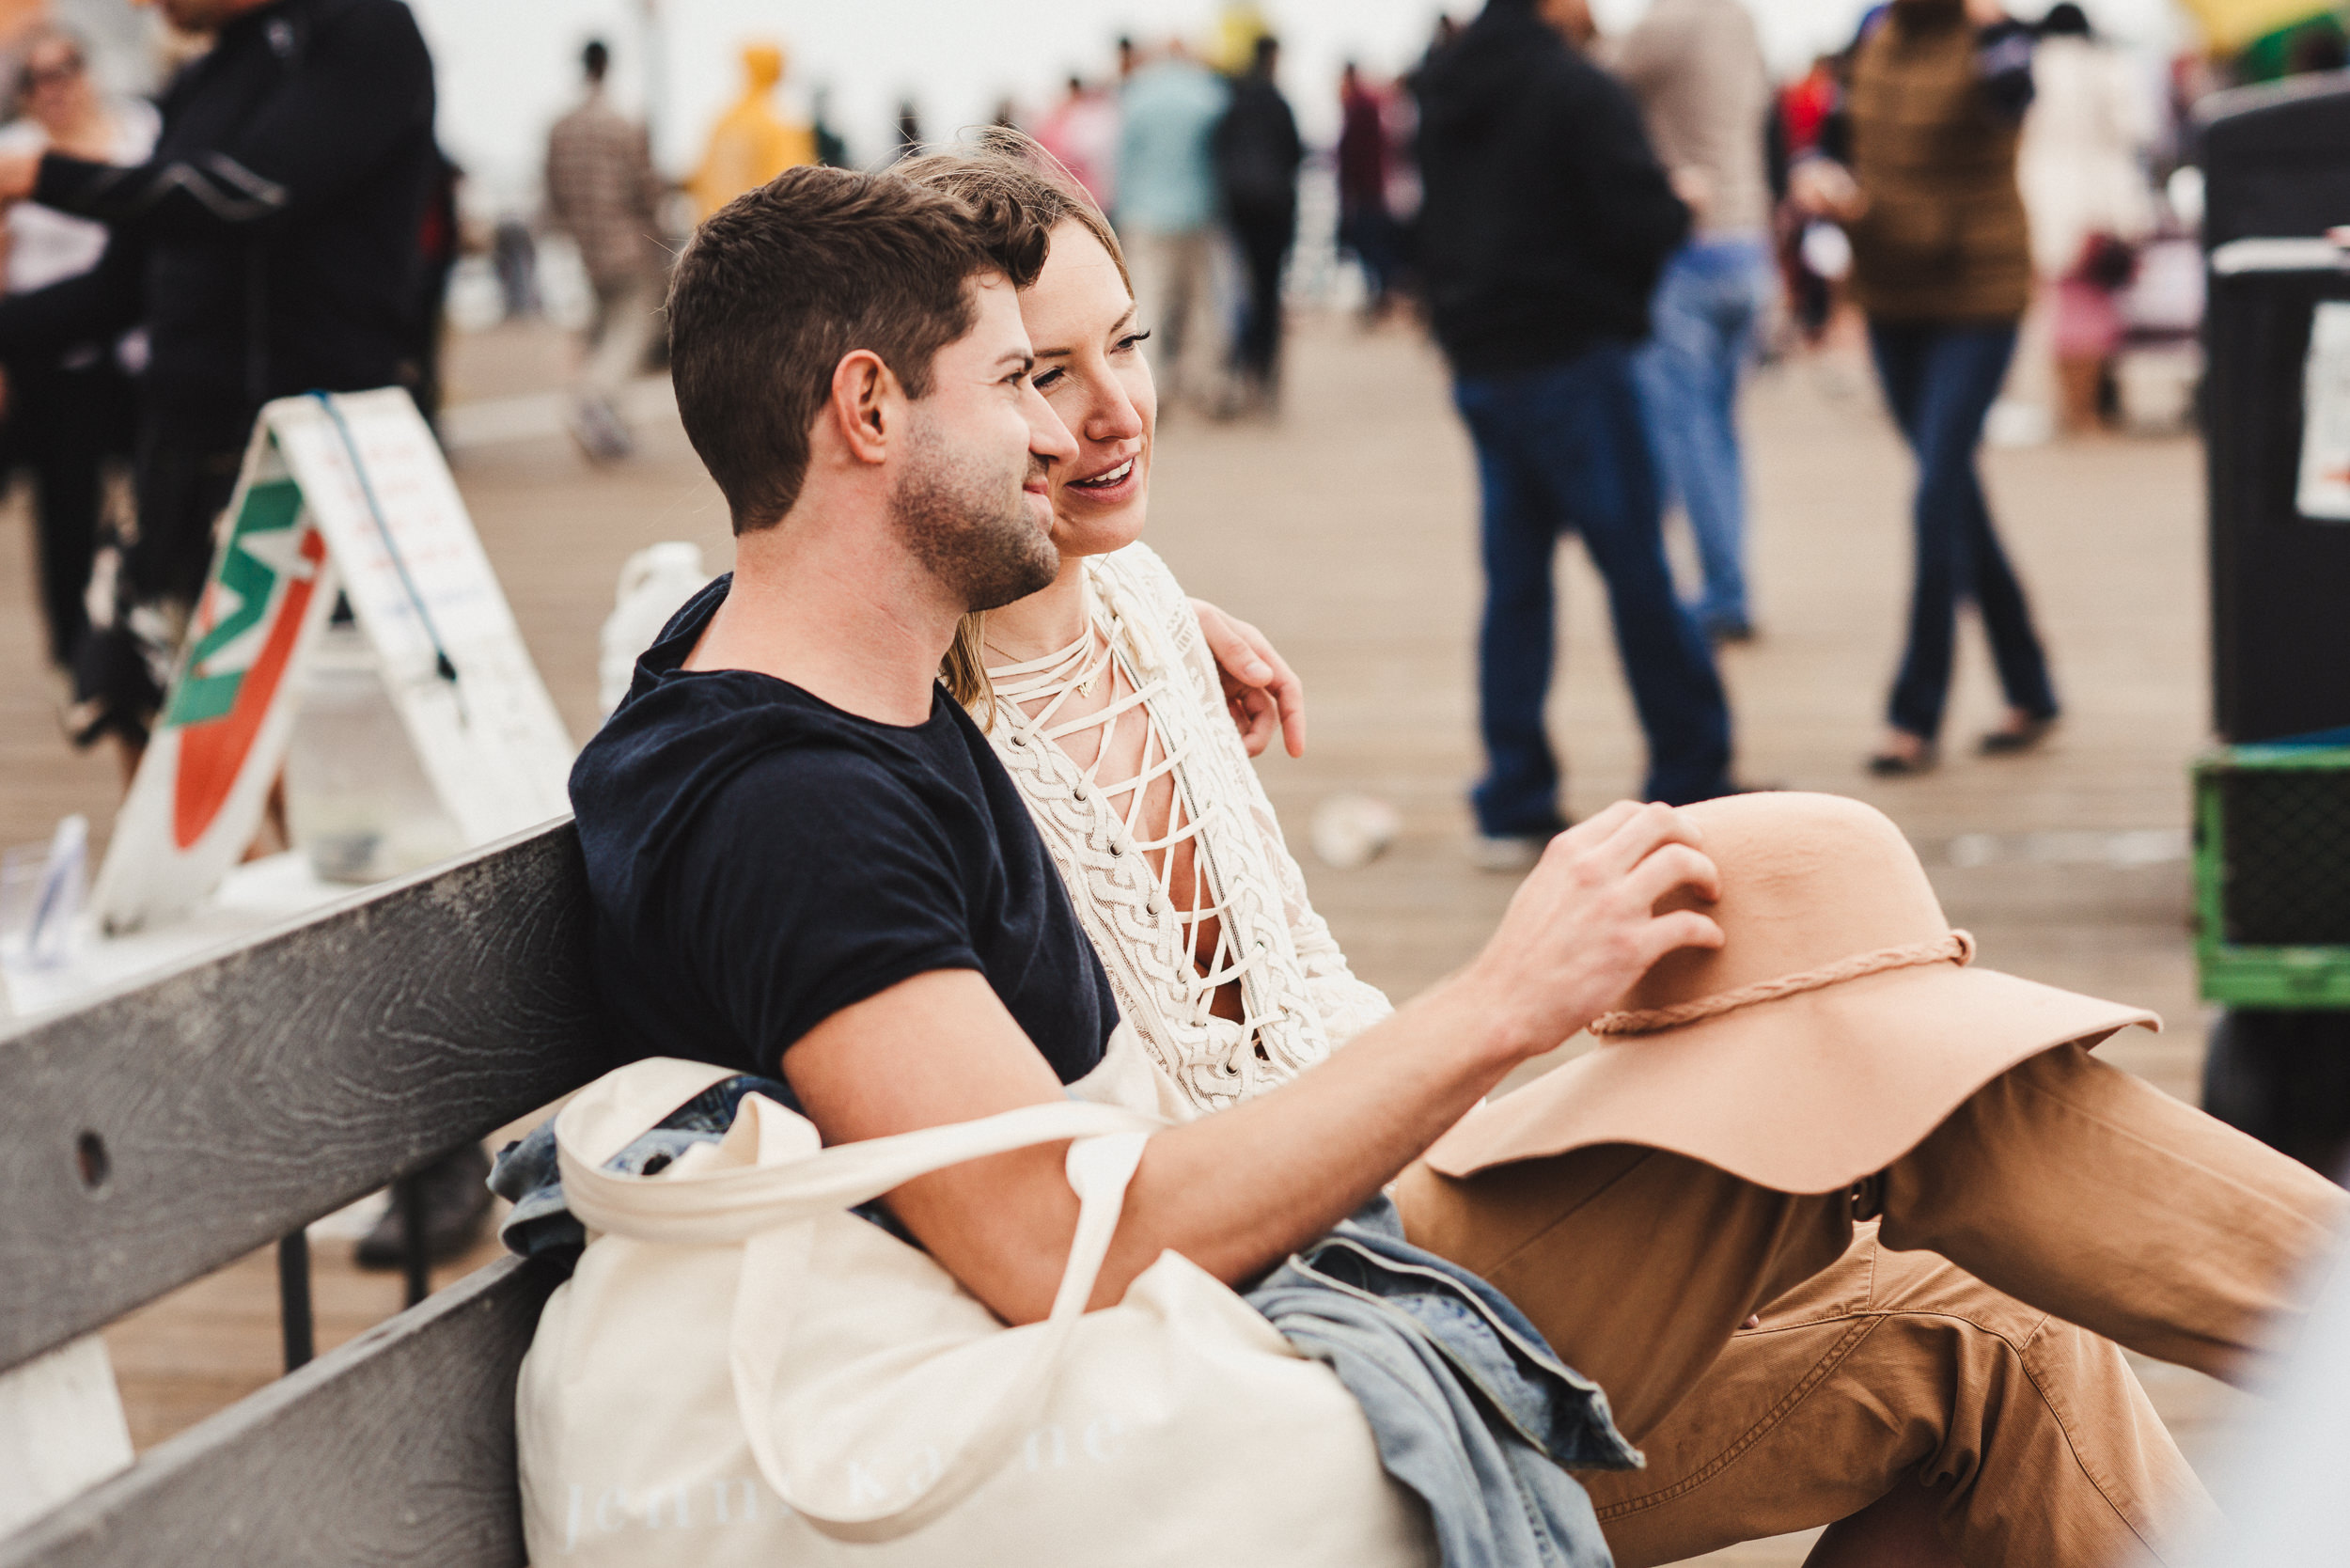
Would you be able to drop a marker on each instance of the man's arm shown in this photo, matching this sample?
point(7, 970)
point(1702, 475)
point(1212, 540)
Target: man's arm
point(1600, 130)
point(1237, 1191)
point(1260, 691)
point(92, 307)
point(359, 91)
point(2004, 63)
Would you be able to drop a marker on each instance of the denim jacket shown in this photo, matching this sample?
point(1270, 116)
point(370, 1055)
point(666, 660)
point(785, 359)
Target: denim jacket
point(1471, 1411)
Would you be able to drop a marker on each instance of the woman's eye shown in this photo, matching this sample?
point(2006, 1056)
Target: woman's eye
point(1132, 342)
point(1046, 381)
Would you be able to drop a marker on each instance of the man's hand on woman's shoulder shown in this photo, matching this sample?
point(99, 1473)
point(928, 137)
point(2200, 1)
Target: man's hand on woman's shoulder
point(1260, 691)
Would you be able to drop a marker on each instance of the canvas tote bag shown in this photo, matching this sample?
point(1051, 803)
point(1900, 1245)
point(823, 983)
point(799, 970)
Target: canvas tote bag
point(743, 1372)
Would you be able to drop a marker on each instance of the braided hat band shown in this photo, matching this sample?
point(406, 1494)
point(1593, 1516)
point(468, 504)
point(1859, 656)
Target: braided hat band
point(1957, 947)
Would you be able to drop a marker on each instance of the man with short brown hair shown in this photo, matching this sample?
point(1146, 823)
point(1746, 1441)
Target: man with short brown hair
point(871, 264)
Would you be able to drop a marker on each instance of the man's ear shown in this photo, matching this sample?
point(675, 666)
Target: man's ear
point(866, 406)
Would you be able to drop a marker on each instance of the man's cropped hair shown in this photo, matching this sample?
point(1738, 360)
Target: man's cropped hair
point(786, 281)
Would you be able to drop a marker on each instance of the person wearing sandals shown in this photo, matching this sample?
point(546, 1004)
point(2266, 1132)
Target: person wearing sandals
point(1942, 268)
point(1787, 1214)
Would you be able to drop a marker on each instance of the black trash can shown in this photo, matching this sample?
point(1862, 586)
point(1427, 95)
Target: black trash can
point(2277, 178)
point(2280, 580)
point(2275, 159)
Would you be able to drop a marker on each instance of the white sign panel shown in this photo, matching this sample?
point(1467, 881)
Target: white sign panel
point(344, 490)
point(484, 724)
point(2325, 488)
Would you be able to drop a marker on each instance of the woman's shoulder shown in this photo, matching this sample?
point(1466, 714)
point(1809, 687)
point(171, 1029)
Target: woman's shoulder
point(1147, 596)
point(1137, 568)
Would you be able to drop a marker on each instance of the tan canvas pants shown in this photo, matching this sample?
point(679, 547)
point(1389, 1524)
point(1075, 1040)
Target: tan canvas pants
point(1967, 1338)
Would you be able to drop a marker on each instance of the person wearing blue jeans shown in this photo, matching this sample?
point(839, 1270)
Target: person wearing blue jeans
point(1939, 379)
point(1705, 314)
point(1562, 446)
point(1545, 222)
point(1919, 167)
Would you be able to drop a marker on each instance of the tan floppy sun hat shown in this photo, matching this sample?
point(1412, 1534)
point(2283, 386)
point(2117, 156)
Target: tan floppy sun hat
point(1841, 1021)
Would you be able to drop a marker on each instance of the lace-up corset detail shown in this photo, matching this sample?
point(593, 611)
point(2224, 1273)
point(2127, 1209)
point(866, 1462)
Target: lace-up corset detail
point(1168, 846)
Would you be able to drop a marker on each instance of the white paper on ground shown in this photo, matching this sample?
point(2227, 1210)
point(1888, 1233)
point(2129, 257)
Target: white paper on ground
point(61, 1430)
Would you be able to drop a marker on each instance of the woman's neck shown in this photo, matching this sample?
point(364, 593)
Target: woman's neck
point(1045, 622)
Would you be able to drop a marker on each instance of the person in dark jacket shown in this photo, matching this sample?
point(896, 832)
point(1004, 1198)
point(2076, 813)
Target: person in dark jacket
point(1257, 154)
point(272, 245)
point(269, 245)
point(1548, 221)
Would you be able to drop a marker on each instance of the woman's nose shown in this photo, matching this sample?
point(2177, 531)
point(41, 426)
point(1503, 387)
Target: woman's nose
point(1113, 417)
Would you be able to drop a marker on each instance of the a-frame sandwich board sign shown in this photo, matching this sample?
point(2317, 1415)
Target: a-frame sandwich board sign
point(339, 491)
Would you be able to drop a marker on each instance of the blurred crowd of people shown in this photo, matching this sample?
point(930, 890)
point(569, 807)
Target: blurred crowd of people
point(284, 221)
point(1630, 221)
point(1197, 161)
point(603, 193)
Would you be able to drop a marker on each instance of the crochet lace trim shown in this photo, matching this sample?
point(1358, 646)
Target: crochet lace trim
point(1102, 835)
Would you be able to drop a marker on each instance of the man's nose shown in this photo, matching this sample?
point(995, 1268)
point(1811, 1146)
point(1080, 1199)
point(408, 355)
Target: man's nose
point(1048, 438)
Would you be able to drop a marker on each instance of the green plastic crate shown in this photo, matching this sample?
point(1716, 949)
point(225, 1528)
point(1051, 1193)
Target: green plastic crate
point(2272, 873)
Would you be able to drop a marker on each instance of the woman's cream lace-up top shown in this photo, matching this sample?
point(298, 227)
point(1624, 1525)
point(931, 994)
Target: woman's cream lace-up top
point(1298, 998)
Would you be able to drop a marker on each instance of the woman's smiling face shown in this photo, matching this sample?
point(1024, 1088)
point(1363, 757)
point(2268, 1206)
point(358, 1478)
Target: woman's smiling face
point(1089, 367)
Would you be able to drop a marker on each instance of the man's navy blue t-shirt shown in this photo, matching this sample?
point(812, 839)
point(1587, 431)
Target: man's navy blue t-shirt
point(761, 859)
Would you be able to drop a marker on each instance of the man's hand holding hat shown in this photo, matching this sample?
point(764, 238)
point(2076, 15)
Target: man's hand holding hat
point(1583, 926)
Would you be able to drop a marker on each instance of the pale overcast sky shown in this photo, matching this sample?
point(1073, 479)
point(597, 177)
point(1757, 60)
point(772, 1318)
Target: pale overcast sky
point(508, 67)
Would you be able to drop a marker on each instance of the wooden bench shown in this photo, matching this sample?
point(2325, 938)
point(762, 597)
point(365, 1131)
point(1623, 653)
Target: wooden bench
point(165, 1130)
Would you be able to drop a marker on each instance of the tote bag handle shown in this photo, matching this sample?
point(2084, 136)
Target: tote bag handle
point(765, 1208)
point(795, 1179)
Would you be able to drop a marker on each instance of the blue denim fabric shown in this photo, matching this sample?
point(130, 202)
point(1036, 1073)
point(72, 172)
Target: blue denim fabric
point(1566, 447)
point(1470, 1410)
point(1939, 379)
point(1707, 307)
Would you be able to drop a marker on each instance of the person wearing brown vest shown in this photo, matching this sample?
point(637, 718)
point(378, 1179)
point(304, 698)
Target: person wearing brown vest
point(1942, 268)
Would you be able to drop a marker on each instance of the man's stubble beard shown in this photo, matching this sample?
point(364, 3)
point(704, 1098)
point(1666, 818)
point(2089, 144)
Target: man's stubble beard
point(968, 523)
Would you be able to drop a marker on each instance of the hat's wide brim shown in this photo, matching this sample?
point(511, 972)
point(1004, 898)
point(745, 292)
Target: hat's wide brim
point(1804, 1094)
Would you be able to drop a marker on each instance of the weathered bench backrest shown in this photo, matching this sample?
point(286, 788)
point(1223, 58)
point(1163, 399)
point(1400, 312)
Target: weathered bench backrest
point(165, 1130)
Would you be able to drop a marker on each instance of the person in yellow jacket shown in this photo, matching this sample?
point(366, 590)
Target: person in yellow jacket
point(751, 143)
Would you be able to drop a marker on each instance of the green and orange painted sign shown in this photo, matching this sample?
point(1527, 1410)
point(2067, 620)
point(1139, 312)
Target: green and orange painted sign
point(239, 652)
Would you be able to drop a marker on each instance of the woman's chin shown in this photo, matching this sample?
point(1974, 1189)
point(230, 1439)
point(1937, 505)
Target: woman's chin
point(1086, 528)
